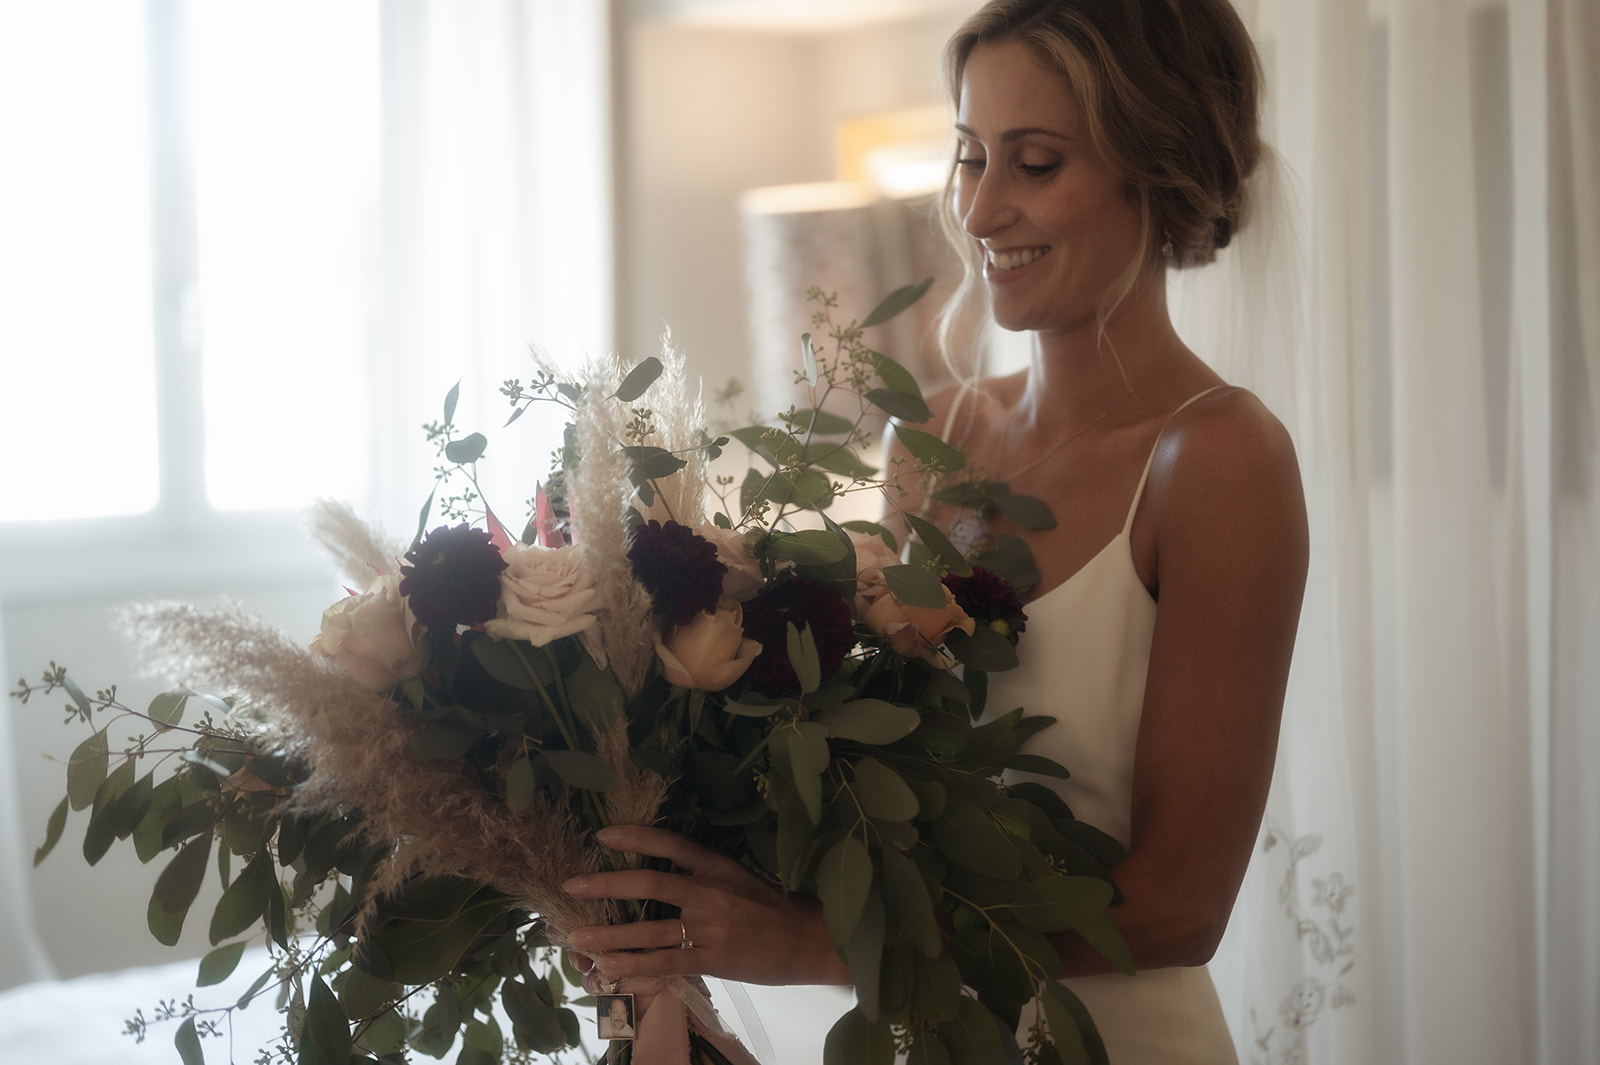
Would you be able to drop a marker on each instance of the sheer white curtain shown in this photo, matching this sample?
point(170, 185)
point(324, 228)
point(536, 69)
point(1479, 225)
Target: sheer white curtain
point(1428, 885)
point(497, 227)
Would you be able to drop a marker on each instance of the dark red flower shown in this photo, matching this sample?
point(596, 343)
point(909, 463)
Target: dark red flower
point(803, 602)
point(680, 569)
point(453, 578)
point(989, 598)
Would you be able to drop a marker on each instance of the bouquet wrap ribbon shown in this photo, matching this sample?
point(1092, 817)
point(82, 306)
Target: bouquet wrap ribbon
point(666, 1010)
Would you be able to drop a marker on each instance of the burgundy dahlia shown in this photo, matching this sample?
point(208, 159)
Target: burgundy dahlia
point(803, 602)
point(453, 578)
point(680, 569)
point(989, 598)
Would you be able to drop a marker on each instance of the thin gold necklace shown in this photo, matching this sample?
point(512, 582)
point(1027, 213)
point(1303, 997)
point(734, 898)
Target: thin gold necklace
point(1069, 438)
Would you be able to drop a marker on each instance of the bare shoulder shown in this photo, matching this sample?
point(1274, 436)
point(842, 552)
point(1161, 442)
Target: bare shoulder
point(1226, 481)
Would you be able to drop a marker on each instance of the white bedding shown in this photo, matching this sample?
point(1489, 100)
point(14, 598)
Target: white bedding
point(81, 1021)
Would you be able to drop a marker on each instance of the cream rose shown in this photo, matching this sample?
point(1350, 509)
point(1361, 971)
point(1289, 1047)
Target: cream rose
point(710, 652)
point(743, 579)
point(545, 594)
point(371, 635)
point(916, 630)
point(873, 556)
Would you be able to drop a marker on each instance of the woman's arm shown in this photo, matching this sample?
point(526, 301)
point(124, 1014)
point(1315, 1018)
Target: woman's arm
point(1223, 521)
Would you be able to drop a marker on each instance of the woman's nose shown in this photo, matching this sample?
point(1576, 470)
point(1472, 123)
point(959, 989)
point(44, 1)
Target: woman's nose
point(987, 210)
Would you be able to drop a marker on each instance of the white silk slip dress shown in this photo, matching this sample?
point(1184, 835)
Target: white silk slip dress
point(1084, 657)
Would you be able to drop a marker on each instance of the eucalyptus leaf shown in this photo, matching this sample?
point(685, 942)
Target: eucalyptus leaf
point(967, 836)
point(180, 881)
point(422, 516)
point(363, 994)
point(187, 1042)
point(930, 450)
point(519, 784)
point(219, 964)
point(1026, 511)
point(822, 423)
point(872, 528)
point(840, 459)
point(804, 488)
point(802, 649)
point(984, 650)
point(905, 893)
point(975, 1036)
point(808, 547)
point(934, 539)
point(1057, 903)
point(844, 877)
point(245, 900)
point(639, 380)
point(864, 955)
point(808, 359)
point(1104, 936)
point(928, 1048)
point(854, 1040)
point(325, 1037)
point(915, 586)
point(81, 700)
point(895, 302)
point(450, 399)
point(805, 773)
point(871, 721)
point(1037, 764)
point(467, 450)
point(740, 709)
point(535, 1022)
point(423, 948)
point(167, 708)
point(52, 832)
point(582, 769)
point(652, 463)
point(882, 792)
point(904, 406)
point(500, 660)
point(86, 769)
point(165, 927)
point(1065, 1012)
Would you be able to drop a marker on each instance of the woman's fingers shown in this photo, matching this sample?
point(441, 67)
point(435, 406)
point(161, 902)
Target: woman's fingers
point(660, 843)
point(636, 935)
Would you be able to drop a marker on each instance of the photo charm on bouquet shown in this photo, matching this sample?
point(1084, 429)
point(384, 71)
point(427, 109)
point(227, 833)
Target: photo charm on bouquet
point(401, 810)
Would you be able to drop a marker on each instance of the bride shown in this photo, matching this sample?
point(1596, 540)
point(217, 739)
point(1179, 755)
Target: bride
point(1101, 144)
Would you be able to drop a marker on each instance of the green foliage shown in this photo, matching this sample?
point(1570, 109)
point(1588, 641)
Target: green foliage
point(874, 789)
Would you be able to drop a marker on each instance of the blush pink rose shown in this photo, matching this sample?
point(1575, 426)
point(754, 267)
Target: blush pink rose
point(710, 652)
point(371, 636)
point(743, 579)
point(545, 594)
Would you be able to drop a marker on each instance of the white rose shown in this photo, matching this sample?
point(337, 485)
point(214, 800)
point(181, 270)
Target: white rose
point(873, 556)
point(545, 594)
point(743, 579)
point(371, 635)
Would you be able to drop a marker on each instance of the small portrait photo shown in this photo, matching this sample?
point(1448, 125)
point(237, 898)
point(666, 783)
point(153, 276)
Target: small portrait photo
point(615, 1013)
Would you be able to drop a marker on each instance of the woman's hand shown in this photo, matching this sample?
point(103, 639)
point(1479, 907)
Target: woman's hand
point(741, 926)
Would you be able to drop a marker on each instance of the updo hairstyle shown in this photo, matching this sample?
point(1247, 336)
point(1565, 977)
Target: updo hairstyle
point(1170, 92)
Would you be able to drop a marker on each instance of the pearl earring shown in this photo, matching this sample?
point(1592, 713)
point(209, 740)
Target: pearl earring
point(1167, 248)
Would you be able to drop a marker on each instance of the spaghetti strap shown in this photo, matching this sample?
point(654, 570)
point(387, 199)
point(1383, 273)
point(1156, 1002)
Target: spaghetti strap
point(1138, 493)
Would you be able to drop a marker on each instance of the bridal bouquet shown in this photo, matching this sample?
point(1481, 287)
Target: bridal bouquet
point(394, 809)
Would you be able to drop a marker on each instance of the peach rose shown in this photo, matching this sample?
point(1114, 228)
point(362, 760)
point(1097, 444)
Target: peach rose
point(545, 594)
point(916, 630)
point(371, 635)
point(710, 652)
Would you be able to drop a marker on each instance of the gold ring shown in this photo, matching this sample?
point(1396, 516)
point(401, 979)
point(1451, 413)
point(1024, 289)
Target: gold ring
point(684, 943)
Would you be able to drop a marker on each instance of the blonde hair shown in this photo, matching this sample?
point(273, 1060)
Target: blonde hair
point(1170, 91)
